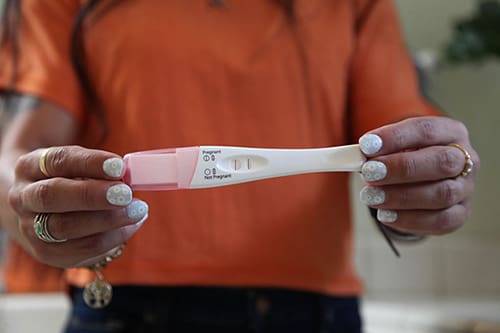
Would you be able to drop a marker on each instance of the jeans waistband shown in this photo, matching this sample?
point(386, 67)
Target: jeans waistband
point(207, 309)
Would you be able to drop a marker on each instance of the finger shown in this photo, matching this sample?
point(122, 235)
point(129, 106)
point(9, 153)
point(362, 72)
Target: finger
point(82, 224)
point(56, 195)
point(70, 162)
point(426, 164)
point(413, 133)
point(429, 196)
point(425, 222)
point(102, 257)
point(73, 253)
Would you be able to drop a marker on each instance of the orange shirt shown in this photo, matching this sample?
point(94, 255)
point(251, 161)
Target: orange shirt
point(183, 73)
point(23, 274)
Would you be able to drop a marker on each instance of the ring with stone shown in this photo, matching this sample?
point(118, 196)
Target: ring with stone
point(41, 229)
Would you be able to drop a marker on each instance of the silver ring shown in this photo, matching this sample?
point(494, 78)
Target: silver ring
point(41, 229)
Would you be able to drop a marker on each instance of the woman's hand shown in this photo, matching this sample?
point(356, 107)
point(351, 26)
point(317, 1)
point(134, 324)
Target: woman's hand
point(414, 177)
point(86, 203)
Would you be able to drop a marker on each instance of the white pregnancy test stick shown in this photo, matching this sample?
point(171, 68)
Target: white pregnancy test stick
point(212, 166)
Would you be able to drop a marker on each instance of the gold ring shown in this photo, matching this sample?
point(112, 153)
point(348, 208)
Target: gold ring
point(41, 229)
point(41, 162)
point(469, 164)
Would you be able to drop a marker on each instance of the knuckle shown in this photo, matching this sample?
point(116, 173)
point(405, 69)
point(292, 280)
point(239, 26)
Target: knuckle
point(461, 129)
point(398, 137)
point(86, 196)
point(449, 162)
point(75, 148)
point(57, 160)
point(15, 199)
point(446, 219)
point(427, 129)
point(449, 193)
point(22, 165)
point(408, 168)
point(82, 155)
point(86, 159)
point(43, 195)
point(25, 228)
point(449, 221)
point(404, 198)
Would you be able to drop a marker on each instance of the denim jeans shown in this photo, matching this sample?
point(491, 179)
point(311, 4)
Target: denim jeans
point(215, 310)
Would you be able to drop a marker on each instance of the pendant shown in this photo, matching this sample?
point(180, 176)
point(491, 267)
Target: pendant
point(98, 293)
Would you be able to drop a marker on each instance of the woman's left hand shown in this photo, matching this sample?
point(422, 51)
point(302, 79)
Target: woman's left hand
point(417, 178)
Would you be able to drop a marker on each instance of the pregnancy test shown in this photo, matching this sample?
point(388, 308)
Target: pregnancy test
point(213, 166)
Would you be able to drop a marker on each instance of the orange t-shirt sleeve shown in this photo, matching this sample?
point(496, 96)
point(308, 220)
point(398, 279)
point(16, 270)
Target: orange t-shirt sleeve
point(44, 63)
point(384, 84)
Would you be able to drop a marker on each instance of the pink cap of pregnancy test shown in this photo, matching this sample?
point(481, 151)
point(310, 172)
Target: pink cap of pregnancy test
point(160, 170)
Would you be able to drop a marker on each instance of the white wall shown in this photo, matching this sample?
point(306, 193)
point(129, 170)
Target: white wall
point(467, 262)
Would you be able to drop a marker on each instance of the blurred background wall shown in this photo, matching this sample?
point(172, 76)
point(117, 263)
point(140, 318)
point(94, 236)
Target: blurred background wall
point(465, 264)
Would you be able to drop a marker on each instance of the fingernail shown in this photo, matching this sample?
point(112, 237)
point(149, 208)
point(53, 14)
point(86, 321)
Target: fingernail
point(370, 143)
point(119, 195)
point(137, 209)
point(370, 195)
point(113, 167)
point(373, 171)
point(387, 216)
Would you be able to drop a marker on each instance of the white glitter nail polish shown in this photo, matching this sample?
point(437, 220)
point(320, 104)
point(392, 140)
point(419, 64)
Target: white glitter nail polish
point(113, 167)
point(370, 143)
point(373, 171)
point(137, 209)
point(370, 195)
point(119, 195)
point(387, 216)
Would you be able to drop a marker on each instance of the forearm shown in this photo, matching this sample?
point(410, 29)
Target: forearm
point(19, 135)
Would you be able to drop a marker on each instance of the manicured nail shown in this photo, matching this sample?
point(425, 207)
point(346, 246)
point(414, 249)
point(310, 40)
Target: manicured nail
point(137, 209)
point(113, 167)
point(387, 216)
point(370, 195)
point(373, 171)
point(119, 195)
point(370, 143)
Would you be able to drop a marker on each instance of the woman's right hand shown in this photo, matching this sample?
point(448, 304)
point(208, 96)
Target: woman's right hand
point(88, 205)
